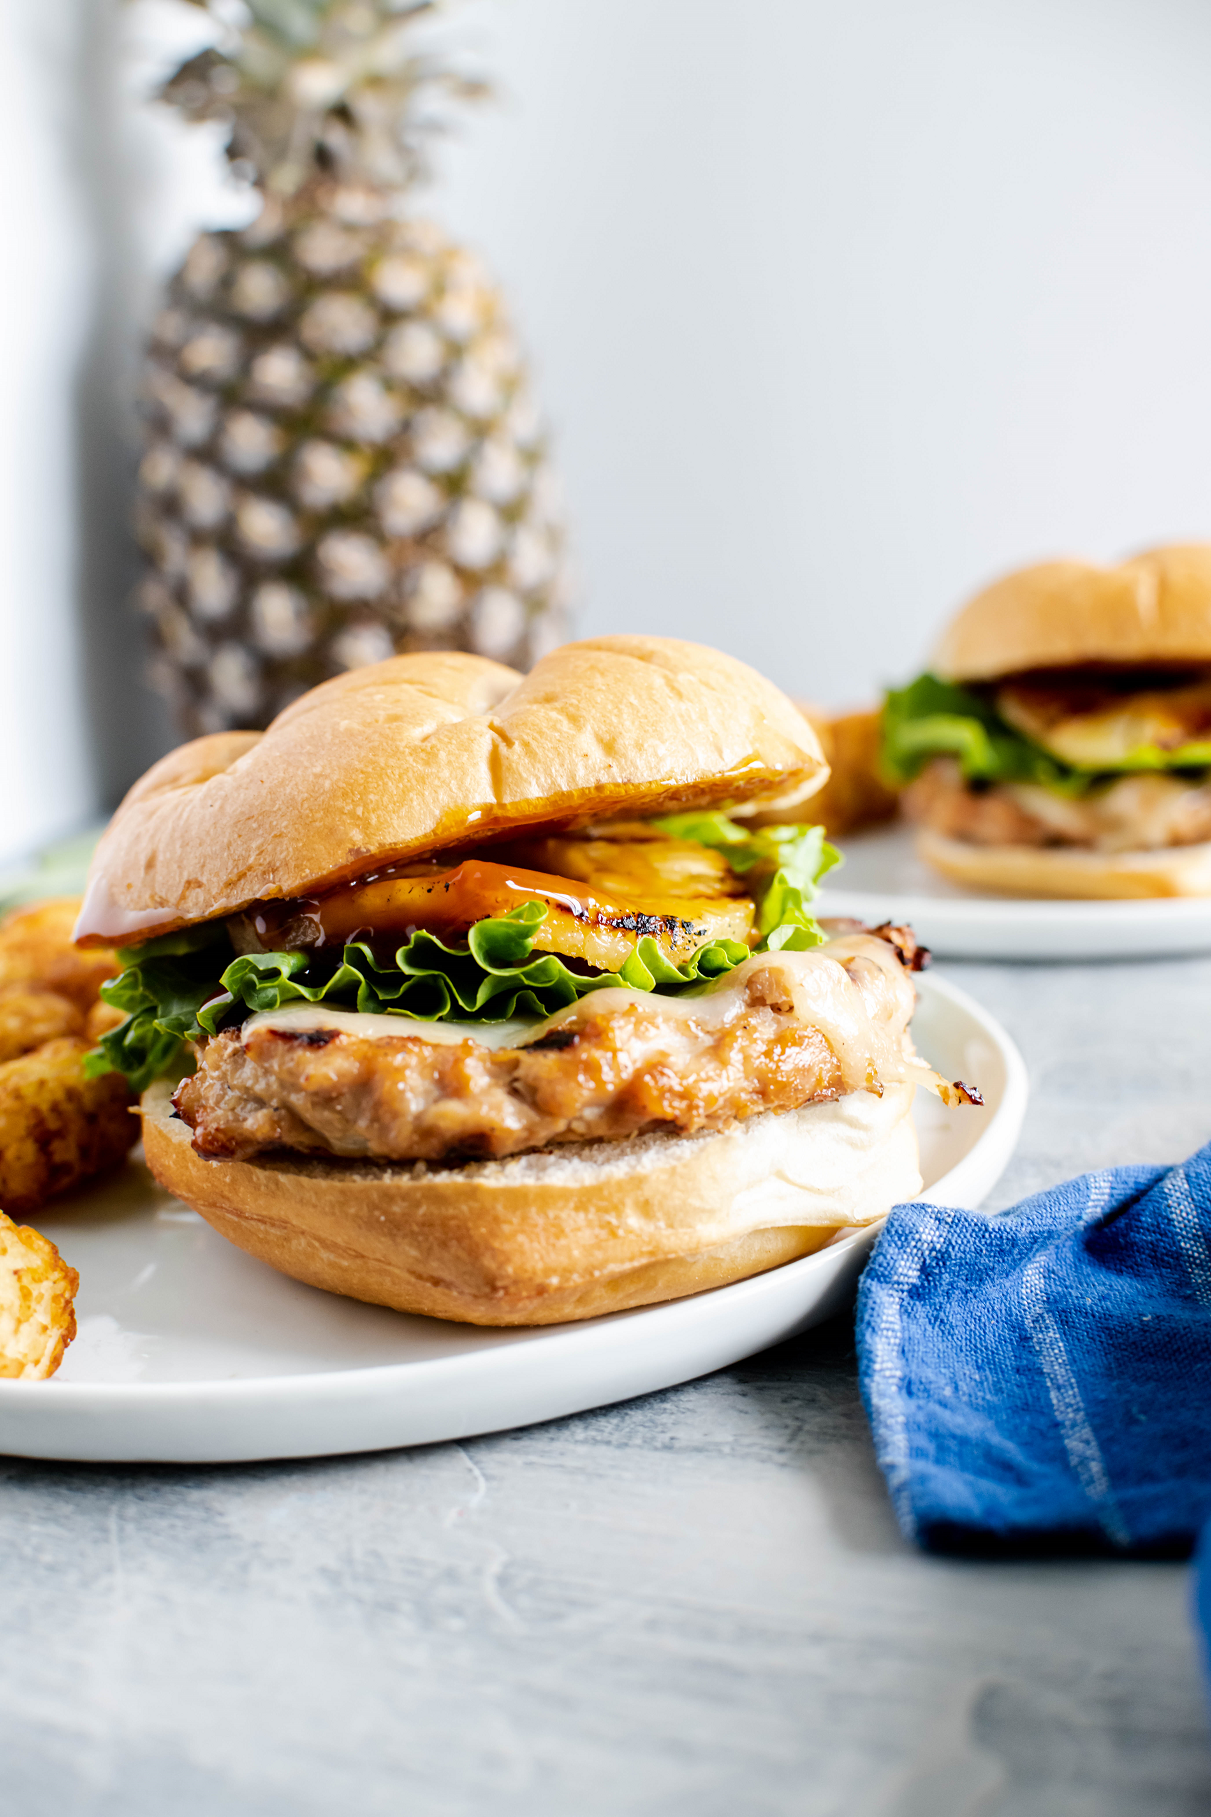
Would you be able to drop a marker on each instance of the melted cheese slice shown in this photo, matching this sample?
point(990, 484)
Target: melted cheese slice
point(300, 1018)
point(862, 1008)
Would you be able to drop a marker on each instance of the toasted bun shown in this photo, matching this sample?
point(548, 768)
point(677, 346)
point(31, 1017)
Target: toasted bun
point(430, 751)
point(1155, 608)
point(1029, 870)
point(561, 1234)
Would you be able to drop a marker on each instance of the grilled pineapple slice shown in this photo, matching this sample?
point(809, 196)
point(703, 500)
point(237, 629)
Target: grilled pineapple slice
point(1094, 727)
point(602, 897)
point(652, 873)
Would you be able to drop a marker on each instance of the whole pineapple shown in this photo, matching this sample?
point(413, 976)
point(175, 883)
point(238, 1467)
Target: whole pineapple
point(344, 459)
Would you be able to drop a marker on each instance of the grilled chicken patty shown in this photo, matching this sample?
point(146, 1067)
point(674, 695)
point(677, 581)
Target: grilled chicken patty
point(614, 1065)
point(1144, 812)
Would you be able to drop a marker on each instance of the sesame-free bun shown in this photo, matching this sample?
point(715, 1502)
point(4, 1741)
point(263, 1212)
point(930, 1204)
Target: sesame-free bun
point(1155, 608)
point(558, 1234)
point(1069, 871)
point(437, 750)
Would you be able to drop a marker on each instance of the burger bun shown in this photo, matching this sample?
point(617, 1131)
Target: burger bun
point(559, 1234)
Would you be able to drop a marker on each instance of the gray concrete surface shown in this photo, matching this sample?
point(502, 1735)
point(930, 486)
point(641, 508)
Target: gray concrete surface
point(695, 1603)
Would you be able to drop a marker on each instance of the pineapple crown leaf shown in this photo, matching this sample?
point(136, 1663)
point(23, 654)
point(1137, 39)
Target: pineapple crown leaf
point(307, 84)
point(297, 22)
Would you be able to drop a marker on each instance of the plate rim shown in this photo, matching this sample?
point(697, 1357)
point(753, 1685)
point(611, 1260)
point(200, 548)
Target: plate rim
point(1026, 908)
point(1003, 1129)
point(1128, 927)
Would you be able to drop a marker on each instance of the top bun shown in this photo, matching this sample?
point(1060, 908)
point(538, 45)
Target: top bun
point(1155, 608)
point(437, 750)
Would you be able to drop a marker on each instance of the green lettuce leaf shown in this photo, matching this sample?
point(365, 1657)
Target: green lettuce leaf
point(163, 989)
point(185, 986)
point(932, 718)
point(783, 865)
point(494, 977)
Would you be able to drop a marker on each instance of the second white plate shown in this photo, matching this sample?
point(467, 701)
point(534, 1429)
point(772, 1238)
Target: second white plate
point(884, 880)
point(191, 1351)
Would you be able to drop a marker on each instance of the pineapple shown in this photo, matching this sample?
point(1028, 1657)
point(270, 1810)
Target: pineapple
point(344, 458)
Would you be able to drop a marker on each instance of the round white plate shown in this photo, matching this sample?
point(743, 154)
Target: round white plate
point(884, 880)
point(189, 1351)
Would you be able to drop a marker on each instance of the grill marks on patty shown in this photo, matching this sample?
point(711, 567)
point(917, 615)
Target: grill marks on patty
point(403, 1097)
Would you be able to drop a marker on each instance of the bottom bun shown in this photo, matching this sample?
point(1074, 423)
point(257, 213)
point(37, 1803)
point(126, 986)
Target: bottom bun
point(1065, 870)
point(559, 1234)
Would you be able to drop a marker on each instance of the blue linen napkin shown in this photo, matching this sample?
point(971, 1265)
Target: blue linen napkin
point(1042, 1379)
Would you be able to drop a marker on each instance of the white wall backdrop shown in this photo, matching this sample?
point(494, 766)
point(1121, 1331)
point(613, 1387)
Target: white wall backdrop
point(43, 743)
point(837, 310)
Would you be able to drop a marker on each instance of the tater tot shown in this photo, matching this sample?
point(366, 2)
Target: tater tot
point(855, 795)
point(56, 1126)
point(28, 1018)
point(37, 1315)
point(100, 1019)
point(36, 948)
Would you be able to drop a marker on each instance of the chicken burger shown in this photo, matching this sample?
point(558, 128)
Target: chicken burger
point(473, 994)
point(1061, 744)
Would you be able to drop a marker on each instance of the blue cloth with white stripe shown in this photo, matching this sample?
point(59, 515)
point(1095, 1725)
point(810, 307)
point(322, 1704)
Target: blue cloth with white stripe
point(1042, 1379)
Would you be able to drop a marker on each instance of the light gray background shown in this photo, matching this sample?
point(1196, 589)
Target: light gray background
point(838, 310)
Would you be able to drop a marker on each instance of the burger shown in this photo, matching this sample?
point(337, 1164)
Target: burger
point(477, 994)
point(1061, 743)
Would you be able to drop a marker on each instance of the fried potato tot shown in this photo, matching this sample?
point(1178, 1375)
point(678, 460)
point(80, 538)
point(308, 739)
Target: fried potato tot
point(37, 1316)
point(29, 1017)
point(100, 1019)
point(57, 1127)
point(36, 948)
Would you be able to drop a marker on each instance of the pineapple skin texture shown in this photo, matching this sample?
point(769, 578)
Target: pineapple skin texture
point(343, 461)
